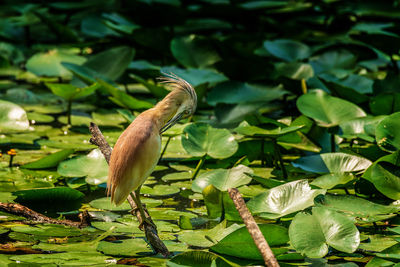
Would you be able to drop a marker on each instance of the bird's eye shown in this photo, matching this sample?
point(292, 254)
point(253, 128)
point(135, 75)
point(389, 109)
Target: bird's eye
point(186, 112)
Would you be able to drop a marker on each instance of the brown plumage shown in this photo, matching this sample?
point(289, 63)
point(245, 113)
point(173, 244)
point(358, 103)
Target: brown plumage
point(137, 150)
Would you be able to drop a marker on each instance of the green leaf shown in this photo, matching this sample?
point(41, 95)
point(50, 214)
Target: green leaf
point(238, 92)
point(311, 234)
point(12, 117)
point(295, 70)
point(386, 179)
point(240, 244)
point(363, 128)
point(193, 52)
point(287, 50)
point(160, 190)
point(200, 258)
point(111, 63)
point(92, 165)
point(49, 63)
point(326, 110)
point(47, 230)
point(207, 237)
point(213, 201)
point(50, 199)
point(329, 181)
point(223, 179)
point(125, 248)
point(196, 77)
point(70, 92)
point(387, 135)
point(70, 258)
point(354, 206)
point(200, 139)
point(284, 199)
point(245, 129)
point(49, 161)
point(336, 62)
point(123, 99)
point(332, 163)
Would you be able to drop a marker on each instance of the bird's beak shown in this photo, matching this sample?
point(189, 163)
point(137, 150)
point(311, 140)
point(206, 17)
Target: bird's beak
point(171, 122)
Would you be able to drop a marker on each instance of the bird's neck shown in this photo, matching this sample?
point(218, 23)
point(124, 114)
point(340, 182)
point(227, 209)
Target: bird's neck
point(165, 110)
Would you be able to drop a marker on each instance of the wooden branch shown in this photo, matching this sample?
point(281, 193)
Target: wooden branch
point(36, 217)
point(253, 228)
point(150, 231)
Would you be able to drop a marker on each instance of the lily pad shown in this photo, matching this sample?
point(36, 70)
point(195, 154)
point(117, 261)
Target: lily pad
point(284, 199)
point(69, 258)
point(92, 165)
point(240, 244)
point(223, 179)
point(332, 163)
point(12, 117)
point(245, 129)
point(288, 50)
point(326, 110)
point(200, 139)
point(125, 248)
point(387, 135)
point(311, 234)
point(49, 161)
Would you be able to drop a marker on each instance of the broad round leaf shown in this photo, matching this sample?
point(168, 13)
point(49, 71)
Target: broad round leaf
point(330, 180)
point(200, 139)
point(49, 63)
point(223, 179)
point(326, 110)
point(240, 244)
point(387, 133)
point(196, 77)
point(245, 129)
point(354, 206)
point(311, 234)
point(12, 117)
point(295, 70)
point(92, 165)
point(237, 92)
point(200, 258)
point(49, 161)
point(385, 178)
point(332, 163)
point(284, 199)
point(127, 247)
point(288, 50)
point(193, 52)
point(70, 92)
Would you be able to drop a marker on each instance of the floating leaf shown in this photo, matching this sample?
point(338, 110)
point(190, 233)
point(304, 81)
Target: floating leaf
point(387, 135)
point(223, 179)
point(311, 234)
point(284, 199)
point(240, 244)
point(328, 110)
point(332, 163)
point(236, 92)
point(329, 181)
point(245, 129)
point(200, 139)
point(295, 70)
point(125, 248)
point(92, 165)
point(201, 258)
point(49, 161)
point(288, 50)
point(70, 92)
point(12, 117)
point(193, 52)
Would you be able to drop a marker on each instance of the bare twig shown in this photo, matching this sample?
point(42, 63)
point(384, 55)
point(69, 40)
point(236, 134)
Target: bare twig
point(150, 231)
point(26, 212)
point(253, 228)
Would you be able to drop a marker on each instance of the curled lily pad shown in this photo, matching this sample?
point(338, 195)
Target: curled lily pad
point(91, 165)
point(284, 199)
point(200, 139)
point(387, 133)
point(12, 117)
point(223, 179)
point(311, 234)
point(245, 129)
point(332, 163)
point(326, 110)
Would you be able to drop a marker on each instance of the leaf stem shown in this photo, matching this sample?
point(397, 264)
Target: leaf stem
point(303, 86)
point(199, 165)
point(279, 156)
point(165, 147)
point(333, 144)
point(69, 111)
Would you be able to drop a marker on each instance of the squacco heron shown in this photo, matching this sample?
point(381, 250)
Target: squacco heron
point(138, 149)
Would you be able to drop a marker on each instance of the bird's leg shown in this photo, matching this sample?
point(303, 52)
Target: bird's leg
point(139, 206)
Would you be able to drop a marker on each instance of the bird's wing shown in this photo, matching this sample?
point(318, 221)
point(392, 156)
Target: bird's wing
point(133, 158)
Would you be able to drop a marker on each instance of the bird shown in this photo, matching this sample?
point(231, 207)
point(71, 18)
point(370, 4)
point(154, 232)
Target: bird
point(138, 149)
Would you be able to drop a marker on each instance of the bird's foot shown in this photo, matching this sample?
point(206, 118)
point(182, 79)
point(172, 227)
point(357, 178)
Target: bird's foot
point(147, 220)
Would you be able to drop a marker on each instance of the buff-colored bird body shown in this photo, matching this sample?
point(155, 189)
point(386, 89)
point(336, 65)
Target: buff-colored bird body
point(138, 149)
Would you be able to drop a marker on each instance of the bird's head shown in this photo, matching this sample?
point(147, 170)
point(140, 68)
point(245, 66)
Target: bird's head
point(183, 98)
